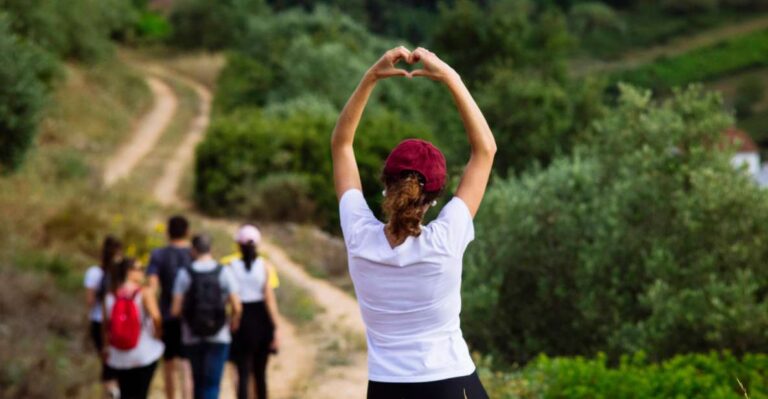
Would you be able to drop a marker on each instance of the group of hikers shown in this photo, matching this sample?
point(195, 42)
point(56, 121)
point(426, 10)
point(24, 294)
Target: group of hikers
point(187, 308)
point(406, 275)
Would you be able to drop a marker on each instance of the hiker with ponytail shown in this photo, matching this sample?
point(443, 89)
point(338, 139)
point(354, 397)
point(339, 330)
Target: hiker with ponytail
point(257, 336)
point(407, 276)
point(96, 285)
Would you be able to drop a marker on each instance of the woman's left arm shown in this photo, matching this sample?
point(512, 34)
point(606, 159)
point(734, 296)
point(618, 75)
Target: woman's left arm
point(346, 176)
point(271, 301)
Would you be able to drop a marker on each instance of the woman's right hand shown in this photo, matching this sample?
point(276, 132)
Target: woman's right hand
point(385, 66)
point(433, 67)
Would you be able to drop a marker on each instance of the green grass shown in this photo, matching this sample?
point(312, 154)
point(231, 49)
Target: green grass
point(296, 304)
point(651, 26)
point(703, 64)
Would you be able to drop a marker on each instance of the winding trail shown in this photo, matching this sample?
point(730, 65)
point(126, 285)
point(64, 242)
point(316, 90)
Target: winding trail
point(149, 129)
point(326, 360)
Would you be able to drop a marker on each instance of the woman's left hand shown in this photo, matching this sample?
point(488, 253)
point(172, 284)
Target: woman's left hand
point(385, 66)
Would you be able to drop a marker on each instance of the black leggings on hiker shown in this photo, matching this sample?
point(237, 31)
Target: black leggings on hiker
point(250, 348)
point(134, 383)
point(468, 387)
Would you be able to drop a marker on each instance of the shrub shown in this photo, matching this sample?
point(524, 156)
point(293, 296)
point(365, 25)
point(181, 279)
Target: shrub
point(534, 118)
point(152, 27)
point(283, 197)
point(713, 375)
point(80, 29)
point(244, 148)
point(24, 71)
point(593, 16)
point(211, 25)
point(749, 93)
point(646, 239)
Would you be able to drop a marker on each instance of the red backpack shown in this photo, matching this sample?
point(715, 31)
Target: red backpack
point(125, 323)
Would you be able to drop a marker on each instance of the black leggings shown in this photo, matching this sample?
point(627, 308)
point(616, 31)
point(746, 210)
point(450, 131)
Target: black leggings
point(134, 383)
point(255, 363)
point(250, 348)
point(468, 387)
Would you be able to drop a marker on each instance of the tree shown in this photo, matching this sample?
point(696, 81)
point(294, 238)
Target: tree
point(644, 239)
point(24, 74)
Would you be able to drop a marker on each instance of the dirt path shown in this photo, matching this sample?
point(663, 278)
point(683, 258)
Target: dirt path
point(342, 370)
point(293, 366)
point(145, 136)
point(327, 362)
point(675, 47)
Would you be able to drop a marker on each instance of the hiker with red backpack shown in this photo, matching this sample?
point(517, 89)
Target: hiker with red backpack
point(133, 330)
point(95, 282)
point(201, 294)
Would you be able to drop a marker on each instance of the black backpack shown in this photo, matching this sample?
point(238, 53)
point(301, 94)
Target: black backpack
point(204, 308)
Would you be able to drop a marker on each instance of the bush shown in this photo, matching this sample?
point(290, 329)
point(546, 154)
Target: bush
point(563, 112)
point(281, 197)
point(244, 148)
point(212, 25)
point(80, 29)
point(152, 27)
point(713, 375)
point(645, 239)
point(521, 34)
point(749, 93)
point(24, 72)
point(705, 63)
point(594, 16)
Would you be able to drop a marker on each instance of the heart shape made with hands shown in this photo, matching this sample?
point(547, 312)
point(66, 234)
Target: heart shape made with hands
point(402, 60)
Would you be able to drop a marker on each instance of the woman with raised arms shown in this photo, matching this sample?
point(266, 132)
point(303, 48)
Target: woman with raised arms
point(407, 276)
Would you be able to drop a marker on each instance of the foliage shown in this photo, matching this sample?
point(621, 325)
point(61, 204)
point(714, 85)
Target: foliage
point(244, 148)
point(749, 92)
point(152, 27)
point(24, 74)
point(643, 239)
point(594, 16)
point(534, 118)
point(712, 375)
point(80, 29)
point(212, 25)
point(509, 33)
point(705, 63)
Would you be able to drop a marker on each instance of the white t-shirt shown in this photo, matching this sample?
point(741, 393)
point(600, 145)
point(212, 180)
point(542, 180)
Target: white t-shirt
point(92, 281)
point(250, 282)
point(147, 351)
point(410, 295)
point(228, 285)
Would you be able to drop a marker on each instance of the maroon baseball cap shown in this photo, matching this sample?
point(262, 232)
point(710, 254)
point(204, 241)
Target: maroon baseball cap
point(418, 156)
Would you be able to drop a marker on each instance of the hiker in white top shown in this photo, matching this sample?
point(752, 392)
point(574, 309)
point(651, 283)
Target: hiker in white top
point(134, 328)
point(257, 336)
point(407, 276)
point(95, 290)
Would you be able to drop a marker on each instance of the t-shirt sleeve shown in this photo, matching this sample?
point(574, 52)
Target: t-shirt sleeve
point(228, 280)
point(154, 263)
point(92, 278)
point(353, 210)
point(454, 226)
point(181, 284)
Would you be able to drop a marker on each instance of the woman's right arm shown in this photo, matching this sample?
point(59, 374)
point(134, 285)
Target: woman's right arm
point(475, 179)
point(345, 173)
